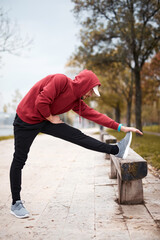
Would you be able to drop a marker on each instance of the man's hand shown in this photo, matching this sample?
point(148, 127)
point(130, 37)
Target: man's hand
point(54, 119)
point(131, 129)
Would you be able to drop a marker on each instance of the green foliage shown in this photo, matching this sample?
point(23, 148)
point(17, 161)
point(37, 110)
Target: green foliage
point(146, 146)
point(118, 31)
point(150, 76)
point(130, 27)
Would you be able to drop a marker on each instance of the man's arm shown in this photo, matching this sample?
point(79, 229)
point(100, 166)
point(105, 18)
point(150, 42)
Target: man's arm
point(94, 115)
point(49, 92)
point(102, 119)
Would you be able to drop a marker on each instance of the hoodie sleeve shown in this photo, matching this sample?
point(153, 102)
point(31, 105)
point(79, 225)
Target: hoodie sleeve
point(50, 91)
point(85, 111)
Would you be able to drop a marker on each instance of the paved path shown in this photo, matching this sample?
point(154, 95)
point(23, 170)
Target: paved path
point(69, 194)
point(152, 133)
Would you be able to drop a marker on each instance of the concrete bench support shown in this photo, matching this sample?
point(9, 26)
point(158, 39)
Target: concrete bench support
point(113, 173)
point(130, 192)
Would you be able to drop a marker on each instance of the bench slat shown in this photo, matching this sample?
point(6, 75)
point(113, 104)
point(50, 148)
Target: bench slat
point(109, 139)
point(134, 168)
point(102, 134)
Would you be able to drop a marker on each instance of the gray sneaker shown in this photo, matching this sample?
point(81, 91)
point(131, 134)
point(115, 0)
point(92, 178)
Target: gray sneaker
point(123, 146)
point(19, 210)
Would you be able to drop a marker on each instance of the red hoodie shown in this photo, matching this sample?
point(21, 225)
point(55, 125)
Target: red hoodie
point(57, 94)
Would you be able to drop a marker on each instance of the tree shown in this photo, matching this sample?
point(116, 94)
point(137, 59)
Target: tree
point(110, 94)
point(125, 31)
point(117, 84)
point(10, 39)
point(117, 89)
point(150, 76)
point(16, 98)
point(5, 108)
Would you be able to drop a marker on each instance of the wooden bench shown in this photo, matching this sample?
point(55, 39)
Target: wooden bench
point(109, 139)
point(129, 174)
point(102, 134)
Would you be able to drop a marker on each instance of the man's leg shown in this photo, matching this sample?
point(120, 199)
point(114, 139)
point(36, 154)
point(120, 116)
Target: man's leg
point(74, 135)
point(24, 135)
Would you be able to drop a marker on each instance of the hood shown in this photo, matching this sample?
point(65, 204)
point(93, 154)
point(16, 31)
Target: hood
point(84, 82)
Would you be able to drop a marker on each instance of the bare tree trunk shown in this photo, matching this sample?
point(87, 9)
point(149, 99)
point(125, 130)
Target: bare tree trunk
point(138, 100)
point(118, 113)
point(129, 105)
point(129, 101)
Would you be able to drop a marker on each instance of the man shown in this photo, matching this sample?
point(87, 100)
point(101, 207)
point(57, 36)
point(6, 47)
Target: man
point(39, 112)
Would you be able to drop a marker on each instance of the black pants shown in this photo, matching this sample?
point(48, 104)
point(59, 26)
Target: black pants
point(25, 134)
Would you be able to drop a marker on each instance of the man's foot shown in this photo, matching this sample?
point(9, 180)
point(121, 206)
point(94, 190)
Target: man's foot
point(123, 146)
point(19, 210)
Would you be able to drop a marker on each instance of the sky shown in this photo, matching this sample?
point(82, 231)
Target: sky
point(54, 30)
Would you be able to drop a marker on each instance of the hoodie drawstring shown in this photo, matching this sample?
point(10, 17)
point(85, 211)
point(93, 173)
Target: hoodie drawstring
point(80, 110)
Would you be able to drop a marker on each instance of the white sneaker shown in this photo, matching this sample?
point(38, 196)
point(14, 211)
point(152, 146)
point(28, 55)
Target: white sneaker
point(18, 210)
point(123, 146)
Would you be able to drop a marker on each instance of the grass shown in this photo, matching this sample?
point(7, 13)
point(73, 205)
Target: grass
point(153, 128)
point(148, 146)
point(6, 137)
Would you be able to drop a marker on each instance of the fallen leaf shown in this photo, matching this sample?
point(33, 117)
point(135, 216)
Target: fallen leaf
point(29, 227)
point(30, 219)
